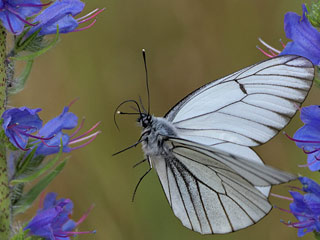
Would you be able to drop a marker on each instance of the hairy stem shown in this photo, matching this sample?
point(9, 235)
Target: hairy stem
point(5, 218)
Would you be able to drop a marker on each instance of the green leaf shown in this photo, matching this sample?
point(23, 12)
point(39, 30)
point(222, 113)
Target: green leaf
point(22, 46)
point(26, 200)
point(16, 193)
point(41, 171)
point(22, 79)
point(23, 163)
point(40, 52)
point(317, 77)
point(21, 235)
point(314, 13)
point(316, 235)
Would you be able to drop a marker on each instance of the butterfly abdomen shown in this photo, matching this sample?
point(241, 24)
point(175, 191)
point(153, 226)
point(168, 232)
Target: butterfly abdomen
point(154, 136)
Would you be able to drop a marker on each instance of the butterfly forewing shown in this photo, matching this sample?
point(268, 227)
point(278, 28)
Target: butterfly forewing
point(248, 107)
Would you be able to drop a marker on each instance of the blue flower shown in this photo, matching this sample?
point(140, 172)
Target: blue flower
point(53, 129)
point(308, 136)
point(305, 38)
point(306, 207)
point(53, 132)
point(19, 124)
point(61, 13)
point(53, 221)
point(13, 13)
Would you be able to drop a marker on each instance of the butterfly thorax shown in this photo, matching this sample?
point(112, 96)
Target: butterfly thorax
point(155, 131)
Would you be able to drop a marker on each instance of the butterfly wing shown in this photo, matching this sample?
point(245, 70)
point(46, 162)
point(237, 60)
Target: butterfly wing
point(248, 107)
point(212, 191)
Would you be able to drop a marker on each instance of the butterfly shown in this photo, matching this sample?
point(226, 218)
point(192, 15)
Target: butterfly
point(201, 149)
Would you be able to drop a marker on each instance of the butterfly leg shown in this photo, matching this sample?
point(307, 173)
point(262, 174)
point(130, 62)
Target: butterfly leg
point(145, 174)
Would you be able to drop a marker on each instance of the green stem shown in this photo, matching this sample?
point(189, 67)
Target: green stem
point(5, 218)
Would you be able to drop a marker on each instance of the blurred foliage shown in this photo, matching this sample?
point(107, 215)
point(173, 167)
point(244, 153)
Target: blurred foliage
point(188, 44)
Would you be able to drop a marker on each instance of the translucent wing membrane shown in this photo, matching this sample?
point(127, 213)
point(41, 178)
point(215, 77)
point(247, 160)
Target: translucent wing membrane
point(213, 191)
point(248, 107)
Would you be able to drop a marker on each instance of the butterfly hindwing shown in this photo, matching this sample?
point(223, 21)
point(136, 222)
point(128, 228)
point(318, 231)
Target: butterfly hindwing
point(207, 195)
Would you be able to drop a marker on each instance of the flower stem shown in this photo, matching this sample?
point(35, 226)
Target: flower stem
point(5, 218)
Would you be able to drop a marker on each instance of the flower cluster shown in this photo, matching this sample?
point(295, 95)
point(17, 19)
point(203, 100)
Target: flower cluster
point(19, 125)
point(15, 15)
point(25, 141)
point(53, 222)
point(305, 206)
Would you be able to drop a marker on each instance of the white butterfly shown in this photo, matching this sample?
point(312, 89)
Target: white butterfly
point(201, 149)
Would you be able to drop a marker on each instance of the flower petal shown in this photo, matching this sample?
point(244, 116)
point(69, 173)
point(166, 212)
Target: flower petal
point(56, 14)
point(66, 120)
point(305, 38)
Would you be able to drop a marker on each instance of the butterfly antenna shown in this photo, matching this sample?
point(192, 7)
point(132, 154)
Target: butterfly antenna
point(119, 112)
point(143, 108)
point(147, 79)
point(140, 180)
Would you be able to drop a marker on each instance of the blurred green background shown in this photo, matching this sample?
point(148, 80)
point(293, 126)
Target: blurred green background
point(188, 43)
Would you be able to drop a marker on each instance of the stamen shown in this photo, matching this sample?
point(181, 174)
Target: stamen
point(94, 12)
point(87, 143)
point(298, 140)
point(268, 46)
point(295, 213)
point(44, 143)
point(42, 196)
point(84, 138)
point(282, 197)
point(294, 187)
point(283, 45)
point(297, 106)
point(273, 53)
point(85, 215)
point(85, 16)
point(9, 22)
point(73, 101)
point(309, 164)
point(310, 152)
point(87, 132)
point(16, 142)
point(23, 127)
point(303, 224)
point(264, 52)
point(36, 137)
point(78, 129)
point(85, 28)
point(11, 10)
point(284, 210)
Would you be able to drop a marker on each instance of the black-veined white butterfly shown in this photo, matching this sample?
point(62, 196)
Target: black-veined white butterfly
point(201, 149)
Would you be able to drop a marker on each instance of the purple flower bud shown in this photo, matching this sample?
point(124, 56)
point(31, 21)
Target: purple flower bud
point(61, 13)
point(53, 221)
point(13, 13)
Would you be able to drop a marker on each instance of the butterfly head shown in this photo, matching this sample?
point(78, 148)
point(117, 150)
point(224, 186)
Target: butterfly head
point(145, 120)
